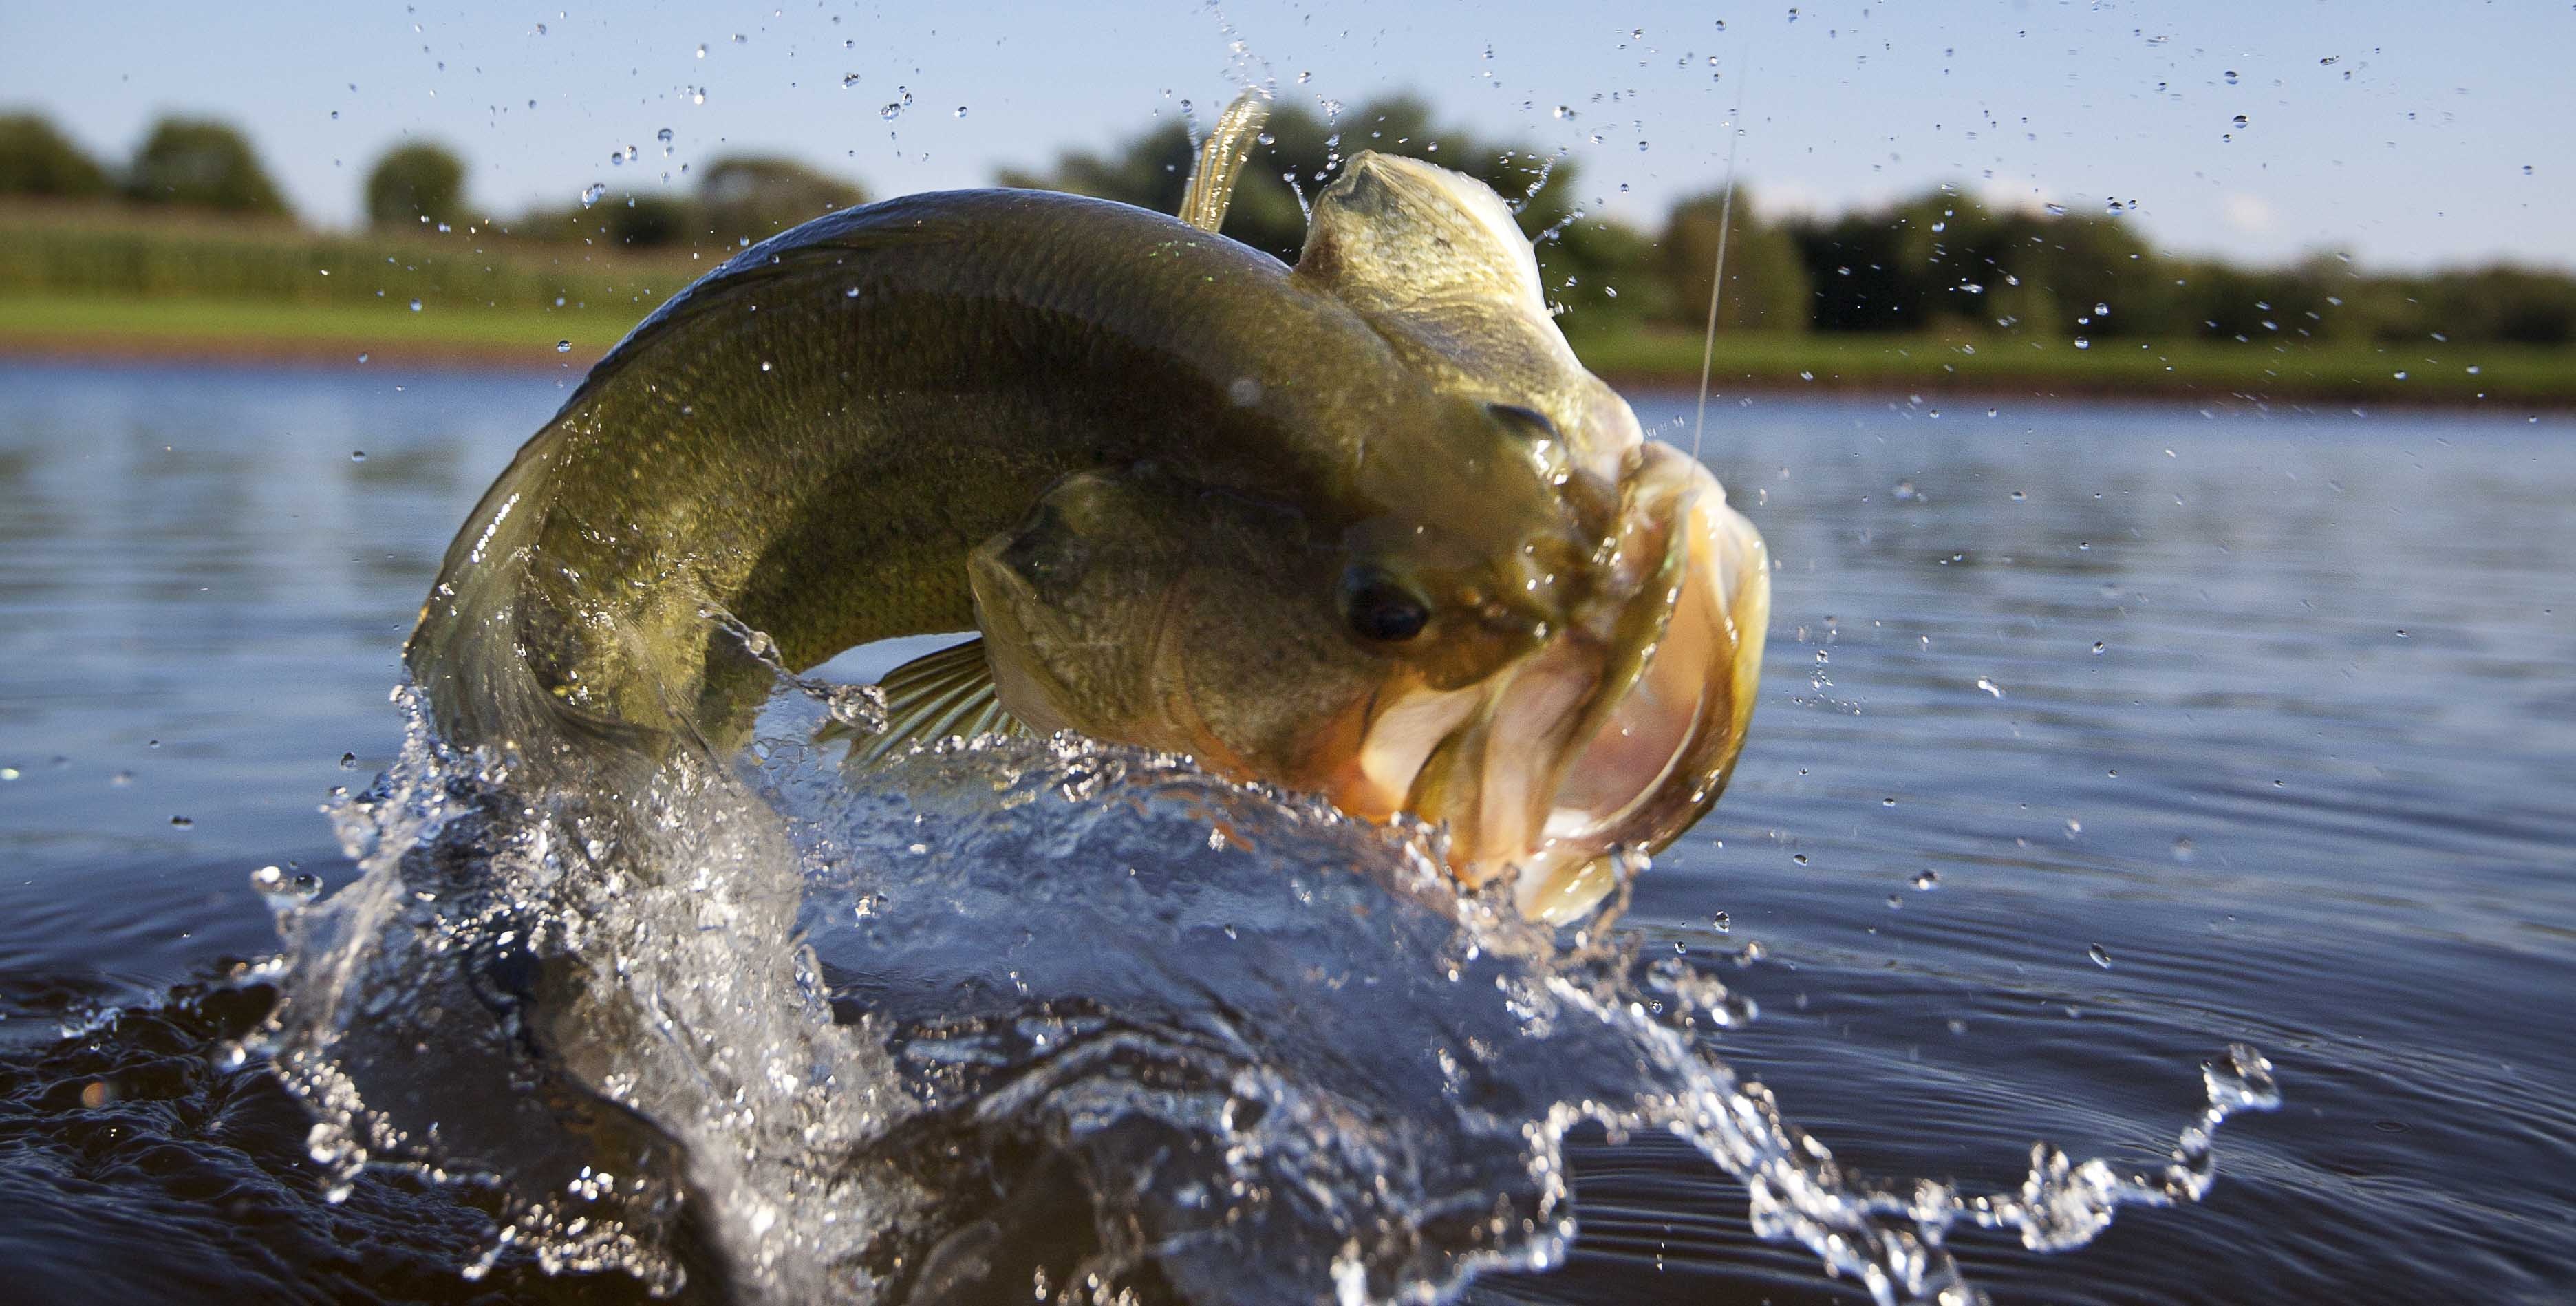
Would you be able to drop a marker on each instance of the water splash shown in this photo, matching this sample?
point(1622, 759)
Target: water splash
point(1066, 1017)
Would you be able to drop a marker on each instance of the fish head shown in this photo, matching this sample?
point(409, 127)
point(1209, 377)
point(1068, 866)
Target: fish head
point(1552, 710)
point(1618, 722)
point(1512, 616)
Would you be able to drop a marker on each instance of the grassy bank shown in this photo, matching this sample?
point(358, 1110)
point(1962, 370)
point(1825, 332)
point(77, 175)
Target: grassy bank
point(186, 328)
point(472, 335)
point(119, 282)
point(2436, 373)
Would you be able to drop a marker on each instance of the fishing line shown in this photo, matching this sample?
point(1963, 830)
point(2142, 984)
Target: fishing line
point(1717, 278)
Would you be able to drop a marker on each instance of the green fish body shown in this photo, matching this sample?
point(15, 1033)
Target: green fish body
point(1315, 526)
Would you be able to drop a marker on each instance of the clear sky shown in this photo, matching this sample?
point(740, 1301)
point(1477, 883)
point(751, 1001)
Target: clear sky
point(2410, 134)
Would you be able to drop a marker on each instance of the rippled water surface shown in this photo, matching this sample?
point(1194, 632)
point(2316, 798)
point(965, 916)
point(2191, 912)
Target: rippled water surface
point(2094, 739)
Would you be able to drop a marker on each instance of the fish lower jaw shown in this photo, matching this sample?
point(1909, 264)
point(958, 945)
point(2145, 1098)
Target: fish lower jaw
point(1649, 762)
point(1566, 889)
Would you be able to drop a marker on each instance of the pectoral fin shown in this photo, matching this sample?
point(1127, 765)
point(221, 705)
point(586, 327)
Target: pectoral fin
point(942, 695)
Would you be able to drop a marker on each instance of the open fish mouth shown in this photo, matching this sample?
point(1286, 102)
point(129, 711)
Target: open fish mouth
point(1619, 733)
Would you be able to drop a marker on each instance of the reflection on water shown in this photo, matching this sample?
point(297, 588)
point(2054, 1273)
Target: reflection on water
point(2274, 713)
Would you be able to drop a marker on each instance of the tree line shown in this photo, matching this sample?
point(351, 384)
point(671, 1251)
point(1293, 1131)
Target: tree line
point(1941, 262)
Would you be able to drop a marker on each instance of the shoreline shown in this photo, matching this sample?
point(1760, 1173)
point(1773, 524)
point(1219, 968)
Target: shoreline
point(253, 350)
point(447, 356)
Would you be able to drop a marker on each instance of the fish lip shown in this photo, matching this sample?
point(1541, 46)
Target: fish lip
point(1672, 647)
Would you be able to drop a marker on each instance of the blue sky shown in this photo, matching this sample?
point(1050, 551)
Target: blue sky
point(2408, 134)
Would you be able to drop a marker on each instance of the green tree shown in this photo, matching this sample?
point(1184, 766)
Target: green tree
point(37, 159)
point(1945, 262)
point(649, 221)
point(201, 163)
point(1766, 281)
point(416, 182)
point(753, 197)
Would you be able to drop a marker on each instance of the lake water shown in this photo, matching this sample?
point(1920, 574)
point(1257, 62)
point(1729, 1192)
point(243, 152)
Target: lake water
point(2093, 739)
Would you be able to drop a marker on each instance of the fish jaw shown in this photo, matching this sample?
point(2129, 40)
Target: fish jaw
point(1618, 734)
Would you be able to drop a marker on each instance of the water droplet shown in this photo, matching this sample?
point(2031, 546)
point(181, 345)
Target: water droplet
point(2400, 374)
point(415, 306)
point(183, 823)
point(1895, 902)
point(2101, 310)
point(2018, 496)
point(2231, 77)
point(702, 51)
point(590, 194)
point(1720, 923)
point(2100, 957)
point(2082, 343)
point(961, 111)
point(1990, 687)
point(1564, 111)
point(8, 773)
point(348, 761)
point(764, 365)
point(2240, 120)
point(2182, 849)
point(357, 455)
point(282, 891)
point(2097, 648)
point(362, 358)
point(663, 136)
point(1799, 858)
point(563, 346)
point(1928, 880)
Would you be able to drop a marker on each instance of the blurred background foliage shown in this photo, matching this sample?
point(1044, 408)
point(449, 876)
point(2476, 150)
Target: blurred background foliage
point(194, 212)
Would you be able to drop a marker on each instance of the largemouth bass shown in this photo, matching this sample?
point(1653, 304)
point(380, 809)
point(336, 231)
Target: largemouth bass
point(1363, 527)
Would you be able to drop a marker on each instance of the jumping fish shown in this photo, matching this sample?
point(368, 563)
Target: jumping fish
point(1364, 527)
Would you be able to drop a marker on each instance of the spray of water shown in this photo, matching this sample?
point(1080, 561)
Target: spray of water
point(1049, 1017)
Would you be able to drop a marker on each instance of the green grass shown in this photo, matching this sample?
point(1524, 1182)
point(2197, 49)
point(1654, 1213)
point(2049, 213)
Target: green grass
point(2507, 374)
point(181, 323)
point(114, 279)
point(2433, 372)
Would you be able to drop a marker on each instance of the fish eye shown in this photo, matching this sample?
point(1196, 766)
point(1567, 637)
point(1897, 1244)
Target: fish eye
point(1381, 610)
point(1529, 421)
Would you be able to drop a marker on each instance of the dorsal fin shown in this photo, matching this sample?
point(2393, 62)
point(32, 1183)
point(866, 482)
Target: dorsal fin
point(1220, 161)
point(935, 697)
